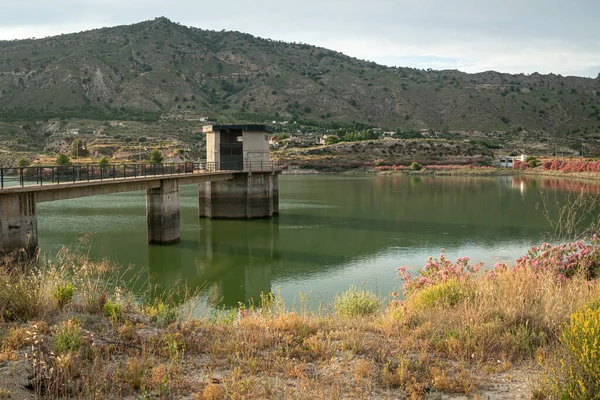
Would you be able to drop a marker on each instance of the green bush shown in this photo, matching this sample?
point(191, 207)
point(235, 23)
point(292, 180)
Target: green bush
point(163, 312)
point(331, 140)
point(415, 166)
point(446, 294)
point(63, 160)
point(113, 311)
point(68, 337)
point(356, 302)
point(64, 294)
point(156, 157)
point(103, 163)
point(532, 161)
point(23, 162)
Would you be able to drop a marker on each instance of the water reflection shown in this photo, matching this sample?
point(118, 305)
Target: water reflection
point(559, 185)
point(230, 262)
point(332, 231)
point(237, 259)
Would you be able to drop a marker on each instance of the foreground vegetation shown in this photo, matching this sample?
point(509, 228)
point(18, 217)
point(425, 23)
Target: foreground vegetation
point(70, 330)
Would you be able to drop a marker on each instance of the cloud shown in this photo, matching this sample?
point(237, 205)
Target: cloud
point(471, 35)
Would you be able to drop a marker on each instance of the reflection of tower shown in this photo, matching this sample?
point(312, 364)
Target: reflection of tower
point(236, 263)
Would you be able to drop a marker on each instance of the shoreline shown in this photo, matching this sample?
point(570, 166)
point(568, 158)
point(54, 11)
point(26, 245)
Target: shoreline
point(458, 171)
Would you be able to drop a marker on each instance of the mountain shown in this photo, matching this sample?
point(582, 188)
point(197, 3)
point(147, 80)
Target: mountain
point(160, 68)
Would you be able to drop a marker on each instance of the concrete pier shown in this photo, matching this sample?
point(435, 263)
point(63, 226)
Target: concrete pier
point(246, 196)
point(18, 223)
point(162, 212)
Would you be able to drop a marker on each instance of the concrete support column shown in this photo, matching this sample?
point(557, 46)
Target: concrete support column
point(18, 223)
point(162, 212)
point(247, 195)
point(260, 196)
point(229, 199)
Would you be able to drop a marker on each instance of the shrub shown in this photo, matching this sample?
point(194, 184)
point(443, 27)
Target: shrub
point(356, 302)
point(63, 160)
point(445, 294)
point(580, 372)
point(113, 311)
point(415, 166)
point(162, 311)
point(156, 157)
point(572, 166)
point(532, 161)
point(438, 270)
point(565, 260)
point(23, 162)
point(520, 165)
point(103, 163)
point(64, 294)
point(332, 140)
point(68, 337)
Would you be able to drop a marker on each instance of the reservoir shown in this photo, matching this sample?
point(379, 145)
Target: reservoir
point(333, 231)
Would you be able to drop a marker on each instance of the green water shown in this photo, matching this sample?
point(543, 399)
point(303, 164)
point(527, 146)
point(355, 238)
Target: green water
point(332, 231)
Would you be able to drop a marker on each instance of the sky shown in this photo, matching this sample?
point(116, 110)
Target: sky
point(513, 36)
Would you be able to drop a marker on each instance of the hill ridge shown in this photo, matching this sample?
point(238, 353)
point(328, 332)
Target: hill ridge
point(159, 67)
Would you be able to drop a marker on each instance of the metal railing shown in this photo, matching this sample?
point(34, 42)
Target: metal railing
point(57, 174)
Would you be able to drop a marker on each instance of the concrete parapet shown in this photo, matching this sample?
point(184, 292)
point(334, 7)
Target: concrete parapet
point(162, 212)
point(248, 195)
point(18, 223)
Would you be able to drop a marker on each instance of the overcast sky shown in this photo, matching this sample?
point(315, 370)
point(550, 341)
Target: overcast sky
point(559, 36)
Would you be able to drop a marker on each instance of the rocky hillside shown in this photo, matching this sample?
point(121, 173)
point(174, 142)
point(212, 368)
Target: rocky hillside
point(162, 69)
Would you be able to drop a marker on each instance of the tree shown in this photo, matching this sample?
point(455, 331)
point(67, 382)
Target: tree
point(62, 159)
point(23, 162)
point(103, 163)
point(156, 157)
point(332, 140)
point(78, 148)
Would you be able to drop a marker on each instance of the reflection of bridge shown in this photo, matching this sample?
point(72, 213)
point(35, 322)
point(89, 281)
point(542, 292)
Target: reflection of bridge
point(249, 192)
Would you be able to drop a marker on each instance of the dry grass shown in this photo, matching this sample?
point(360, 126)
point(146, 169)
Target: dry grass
point(449, 338)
